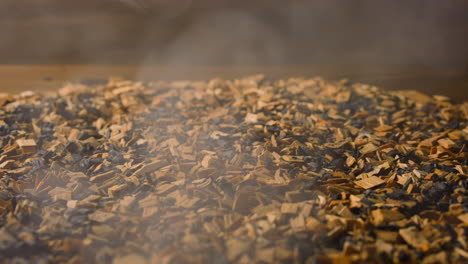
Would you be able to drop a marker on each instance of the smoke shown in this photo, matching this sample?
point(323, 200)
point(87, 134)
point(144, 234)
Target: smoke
point(221, 32)
point(363, 34)
point(297, 32)
point(228, 37)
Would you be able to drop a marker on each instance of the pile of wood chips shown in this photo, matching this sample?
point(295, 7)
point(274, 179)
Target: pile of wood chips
point(232, 171)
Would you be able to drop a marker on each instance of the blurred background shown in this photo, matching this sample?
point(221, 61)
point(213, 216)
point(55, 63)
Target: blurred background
point(420, 44)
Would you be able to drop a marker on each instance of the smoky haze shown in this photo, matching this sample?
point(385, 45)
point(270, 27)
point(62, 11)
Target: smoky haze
point(215, 33)
point(219, 33)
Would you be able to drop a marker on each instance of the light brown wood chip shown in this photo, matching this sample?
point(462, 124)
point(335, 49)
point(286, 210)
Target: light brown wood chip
point(370, 182)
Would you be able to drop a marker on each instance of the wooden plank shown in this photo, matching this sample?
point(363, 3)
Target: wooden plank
point(448, 81)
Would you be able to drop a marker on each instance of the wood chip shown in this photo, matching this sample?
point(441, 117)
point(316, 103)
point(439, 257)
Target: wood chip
point(414, 238)
point(446, 143)
point(369, 182)
point(116, 190)
point(27, 146)
point(251, 170)
point(151, 167)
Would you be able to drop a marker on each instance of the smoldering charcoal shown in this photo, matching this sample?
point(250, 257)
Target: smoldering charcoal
point(249, 170)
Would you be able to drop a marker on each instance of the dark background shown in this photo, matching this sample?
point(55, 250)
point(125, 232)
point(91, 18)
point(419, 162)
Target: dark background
point(425, 32)
point(425, 40)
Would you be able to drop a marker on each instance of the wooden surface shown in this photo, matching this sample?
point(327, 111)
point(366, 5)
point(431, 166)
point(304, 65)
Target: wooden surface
point(452, 82)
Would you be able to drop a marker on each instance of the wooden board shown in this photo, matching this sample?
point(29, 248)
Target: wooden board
point(451, 82)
